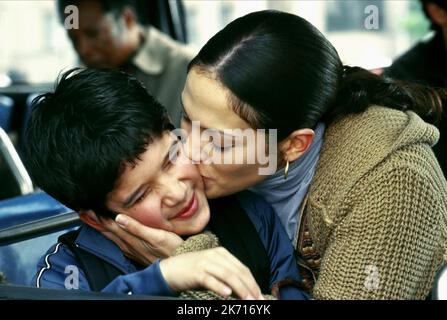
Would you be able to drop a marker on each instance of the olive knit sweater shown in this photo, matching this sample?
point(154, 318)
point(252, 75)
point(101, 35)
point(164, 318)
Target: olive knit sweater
point(377, 208)
point(203, 241)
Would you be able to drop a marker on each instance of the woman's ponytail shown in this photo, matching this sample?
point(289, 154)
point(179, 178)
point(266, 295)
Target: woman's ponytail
point(358, 89)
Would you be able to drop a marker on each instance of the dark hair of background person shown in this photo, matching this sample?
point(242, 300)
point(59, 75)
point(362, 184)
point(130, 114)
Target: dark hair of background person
point(157, 13)
point(284, 74)
point(108, 6)
point(440, 3)
point(80, 136)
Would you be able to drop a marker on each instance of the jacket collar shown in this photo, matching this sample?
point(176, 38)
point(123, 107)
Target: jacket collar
point(97, 244)
point(153, 55)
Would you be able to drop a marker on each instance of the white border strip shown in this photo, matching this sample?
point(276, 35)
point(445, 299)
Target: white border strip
point(48, 265)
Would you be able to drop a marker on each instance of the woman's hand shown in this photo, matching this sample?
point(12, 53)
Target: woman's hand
point(213, 269)
point(140, 243)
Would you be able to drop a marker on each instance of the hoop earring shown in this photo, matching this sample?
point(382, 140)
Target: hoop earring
point(286, 170)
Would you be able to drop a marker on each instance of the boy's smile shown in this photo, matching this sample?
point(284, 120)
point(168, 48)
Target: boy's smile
point(162, 194)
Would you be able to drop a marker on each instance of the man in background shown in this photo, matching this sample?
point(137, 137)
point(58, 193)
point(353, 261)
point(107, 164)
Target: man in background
point(110, 36)
point(426, 63)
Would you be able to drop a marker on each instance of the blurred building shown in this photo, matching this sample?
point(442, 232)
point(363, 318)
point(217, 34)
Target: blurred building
point(34, 44)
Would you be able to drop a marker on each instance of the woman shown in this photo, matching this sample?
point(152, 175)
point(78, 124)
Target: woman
point(359, 190)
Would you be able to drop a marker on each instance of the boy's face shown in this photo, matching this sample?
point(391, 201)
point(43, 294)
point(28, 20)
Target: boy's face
point(162, 194)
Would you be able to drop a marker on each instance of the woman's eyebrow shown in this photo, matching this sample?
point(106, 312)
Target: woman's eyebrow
point(203, 127)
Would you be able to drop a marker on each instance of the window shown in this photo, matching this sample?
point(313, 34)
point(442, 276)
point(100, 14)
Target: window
point(35, 47)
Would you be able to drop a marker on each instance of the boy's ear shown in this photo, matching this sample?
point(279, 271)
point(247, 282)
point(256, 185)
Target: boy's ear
point(91, 218)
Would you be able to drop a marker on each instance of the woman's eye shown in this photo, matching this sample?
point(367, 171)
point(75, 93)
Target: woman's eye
point(169, 163)
point(222, 148)
point(174, 154)
point(223, 145)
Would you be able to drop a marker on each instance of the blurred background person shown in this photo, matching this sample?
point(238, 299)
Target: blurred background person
point(110, 36)
point(426, 63)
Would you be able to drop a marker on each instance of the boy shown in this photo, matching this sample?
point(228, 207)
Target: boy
point(100, 144)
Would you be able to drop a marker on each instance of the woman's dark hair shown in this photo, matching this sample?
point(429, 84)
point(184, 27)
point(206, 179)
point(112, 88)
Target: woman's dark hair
point(80, 137)
point(283, 73)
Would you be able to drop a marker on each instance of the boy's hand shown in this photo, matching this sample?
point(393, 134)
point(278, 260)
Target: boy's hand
point(213, 269)
point(139, 242)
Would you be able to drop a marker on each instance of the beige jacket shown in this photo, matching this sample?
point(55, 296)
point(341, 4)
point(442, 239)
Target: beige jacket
point(161, 65)
point(377, 208)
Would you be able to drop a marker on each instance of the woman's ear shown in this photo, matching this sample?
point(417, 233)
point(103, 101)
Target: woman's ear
point(90, 218)
point(296, 144)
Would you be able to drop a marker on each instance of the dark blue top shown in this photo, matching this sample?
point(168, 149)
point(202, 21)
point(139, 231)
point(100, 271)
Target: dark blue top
point(56, 267)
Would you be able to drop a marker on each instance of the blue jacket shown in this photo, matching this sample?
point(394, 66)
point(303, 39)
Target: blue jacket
point(55, 267)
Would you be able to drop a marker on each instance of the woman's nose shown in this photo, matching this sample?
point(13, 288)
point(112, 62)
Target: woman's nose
point(193, 149)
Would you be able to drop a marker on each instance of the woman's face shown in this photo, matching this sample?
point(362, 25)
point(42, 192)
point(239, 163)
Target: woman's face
point(226, 162)
point(161, 193)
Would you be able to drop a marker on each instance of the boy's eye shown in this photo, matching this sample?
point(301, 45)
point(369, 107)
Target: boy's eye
point(142, 197)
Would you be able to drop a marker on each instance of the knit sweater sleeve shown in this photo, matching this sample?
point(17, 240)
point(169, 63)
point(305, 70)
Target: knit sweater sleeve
point(389, 243)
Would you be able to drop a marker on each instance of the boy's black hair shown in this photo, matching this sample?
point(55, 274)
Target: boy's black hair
point(80, 136)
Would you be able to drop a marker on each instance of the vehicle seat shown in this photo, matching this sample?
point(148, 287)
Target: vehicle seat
point(19, 257)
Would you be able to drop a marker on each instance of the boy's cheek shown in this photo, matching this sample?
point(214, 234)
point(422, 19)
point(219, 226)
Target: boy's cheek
point(148, 218)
